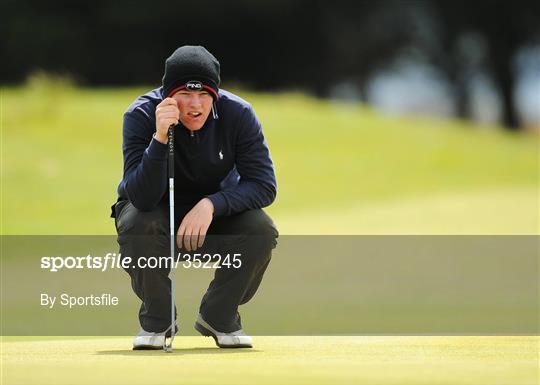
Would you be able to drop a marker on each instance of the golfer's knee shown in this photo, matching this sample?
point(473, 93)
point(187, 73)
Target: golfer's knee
point(262, 233)
point(266, 231)
point(133, 221)
point(260, 224)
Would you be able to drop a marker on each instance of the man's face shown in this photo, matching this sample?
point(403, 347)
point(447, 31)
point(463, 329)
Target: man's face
point(194, 106)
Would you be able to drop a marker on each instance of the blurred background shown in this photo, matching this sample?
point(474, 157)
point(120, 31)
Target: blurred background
point(383, 117)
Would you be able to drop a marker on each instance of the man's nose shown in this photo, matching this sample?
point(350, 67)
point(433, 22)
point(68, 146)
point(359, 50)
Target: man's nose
point(195, 100)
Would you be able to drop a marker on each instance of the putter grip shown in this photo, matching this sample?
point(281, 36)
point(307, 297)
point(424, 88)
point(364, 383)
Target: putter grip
point(170, 142)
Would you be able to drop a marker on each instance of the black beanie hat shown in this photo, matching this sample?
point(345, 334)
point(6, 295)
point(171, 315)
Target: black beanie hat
point(191, 67)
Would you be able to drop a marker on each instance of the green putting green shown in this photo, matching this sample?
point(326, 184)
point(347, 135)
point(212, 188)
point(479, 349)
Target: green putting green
point(276, 360)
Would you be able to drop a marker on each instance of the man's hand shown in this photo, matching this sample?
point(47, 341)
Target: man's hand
point(195, 224)
point(167, 114)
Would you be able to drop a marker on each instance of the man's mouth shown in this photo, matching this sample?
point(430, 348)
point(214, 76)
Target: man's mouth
point(195, 114)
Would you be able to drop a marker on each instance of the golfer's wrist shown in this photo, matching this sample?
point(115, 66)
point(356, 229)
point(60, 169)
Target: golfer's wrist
point(209, 204)
point(161, 138)
point(219, 204)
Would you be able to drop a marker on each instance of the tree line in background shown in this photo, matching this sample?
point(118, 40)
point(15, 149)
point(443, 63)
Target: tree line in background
point(273, 44)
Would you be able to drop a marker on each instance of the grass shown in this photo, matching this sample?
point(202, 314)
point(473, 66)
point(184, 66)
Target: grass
point(392, 360)
point(342, 169)
point(62, 162)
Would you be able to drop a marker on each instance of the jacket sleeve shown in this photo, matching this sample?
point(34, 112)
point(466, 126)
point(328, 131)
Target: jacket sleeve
point(145, 162)
point(257, 186)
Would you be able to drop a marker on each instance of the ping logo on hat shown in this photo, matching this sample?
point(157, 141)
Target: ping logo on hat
point(194, 85)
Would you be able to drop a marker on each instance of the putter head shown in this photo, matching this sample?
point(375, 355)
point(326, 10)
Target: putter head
point(168, 347)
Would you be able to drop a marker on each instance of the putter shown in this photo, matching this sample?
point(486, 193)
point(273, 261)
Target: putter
point(169, 347)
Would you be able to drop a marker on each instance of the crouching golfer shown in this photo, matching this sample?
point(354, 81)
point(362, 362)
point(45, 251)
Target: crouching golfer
point(223, 176)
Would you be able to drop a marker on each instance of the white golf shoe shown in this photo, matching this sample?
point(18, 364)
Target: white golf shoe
point(150, 340)
point(237, 339)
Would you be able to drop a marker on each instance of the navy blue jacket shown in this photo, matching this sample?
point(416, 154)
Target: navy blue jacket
point(227, 160)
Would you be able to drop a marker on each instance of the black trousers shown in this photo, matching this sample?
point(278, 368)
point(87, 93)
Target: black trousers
point(146, 233)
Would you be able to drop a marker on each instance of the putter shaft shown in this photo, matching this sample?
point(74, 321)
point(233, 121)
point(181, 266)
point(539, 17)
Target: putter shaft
point(169, 347)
